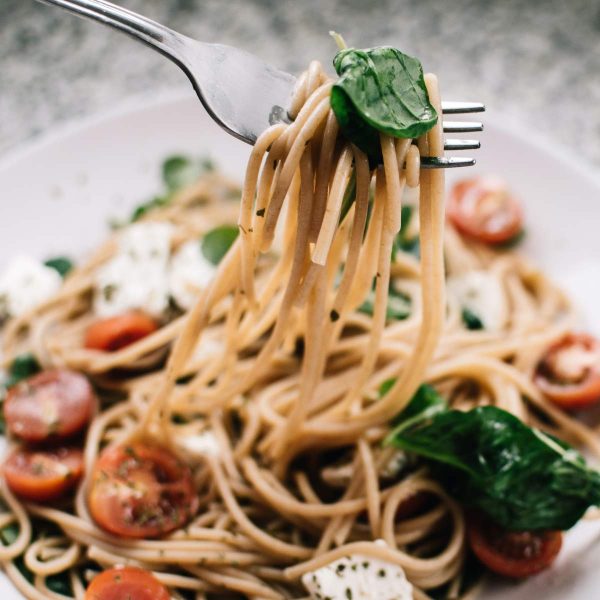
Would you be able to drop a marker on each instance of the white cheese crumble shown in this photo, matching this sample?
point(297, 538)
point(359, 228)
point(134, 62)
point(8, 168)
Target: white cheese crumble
point(359, 578)
point(482, 294)
point(24, 284)
point(202, 444)
point(137, 276)
point(208, 348)
point(189, 273)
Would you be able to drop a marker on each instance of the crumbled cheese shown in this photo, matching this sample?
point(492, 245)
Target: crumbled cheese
point(359, 578)
point(137, 276)
point(202, 444)
point(482, 294)
point(189, 272)
point(208, 348)
point(24, 284)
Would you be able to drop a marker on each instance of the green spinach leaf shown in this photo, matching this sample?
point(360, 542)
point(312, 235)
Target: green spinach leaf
point(179, 171)
point(425, 404)
point(61, 264)
point(398, 306)
point(380, 90)
point(520, 477)
point(349, 196)
point(22, 367)
point(404, 242)
point(142, 209)
point(216, 243)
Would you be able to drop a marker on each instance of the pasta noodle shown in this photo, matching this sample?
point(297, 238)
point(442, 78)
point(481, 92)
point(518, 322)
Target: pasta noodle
point(300, 478)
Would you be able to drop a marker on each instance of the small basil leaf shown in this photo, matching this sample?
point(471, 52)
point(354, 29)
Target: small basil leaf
point(179, 171)
point(520, 477)
point(216, 243)
point(380, 90)
point(61, 264)
point(471, 320)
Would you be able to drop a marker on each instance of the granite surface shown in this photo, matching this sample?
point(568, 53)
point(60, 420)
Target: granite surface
point(538, 61)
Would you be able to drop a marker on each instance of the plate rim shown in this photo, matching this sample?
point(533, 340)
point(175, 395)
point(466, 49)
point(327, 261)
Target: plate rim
point(499, 120)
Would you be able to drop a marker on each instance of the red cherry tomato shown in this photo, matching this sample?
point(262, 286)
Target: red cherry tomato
point(569, 372)
point(53, 404)
point(512, 554)
point(110, 335)
point(123, 583)
point(141, 491)
point(483, 209)
point(43, 475)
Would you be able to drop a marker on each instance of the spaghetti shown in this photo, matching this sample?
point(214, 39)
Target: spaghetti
point(300, 477)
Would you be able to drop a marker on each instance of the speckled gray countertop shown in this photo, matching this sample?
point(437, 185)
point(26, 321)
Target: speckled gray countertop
point(538, 62)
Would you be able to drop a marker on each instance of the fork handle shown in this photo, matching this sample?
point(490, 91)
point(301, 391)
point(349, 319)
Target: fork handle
point(161, 38)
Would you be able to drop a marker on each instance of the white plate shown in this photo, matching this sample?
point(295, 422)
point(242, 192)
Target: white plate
point(58, 194)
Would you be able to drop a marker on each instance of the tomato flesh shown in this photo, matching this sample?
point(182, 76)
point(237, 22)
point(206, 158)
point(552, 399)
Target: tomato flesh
point(53, 404)
point(123, 583)
point(114, 333)
point(483, 209)
point(512, 554)
point(141, 491)
point(569, 372)
point(43, 475)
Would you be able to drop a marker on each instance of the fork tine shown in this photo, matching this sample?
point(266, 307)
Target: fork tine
point(452, 144)
point(462, 126)
point(436, 162)
point(455, 108)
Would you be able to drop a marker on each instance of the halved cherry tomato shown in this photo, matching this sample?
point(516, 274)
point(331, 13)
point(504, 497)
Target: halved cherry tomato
point(141, 491)
point(43, 475)
point(50, 405)
point(484, 209)
point(110, 335)
point(569, 372)
point(123, 583)
point(510, 553)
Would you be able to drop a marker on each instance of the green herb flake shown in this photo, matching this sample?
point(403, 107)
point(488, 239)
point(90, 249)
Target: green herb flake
point(61, 264)
point(380, 90)
point(216, 243)
point(471, 320)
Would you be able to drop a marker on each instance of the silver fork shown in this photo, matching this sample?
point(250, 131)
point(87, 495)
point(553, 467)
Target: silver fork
point(242, 93)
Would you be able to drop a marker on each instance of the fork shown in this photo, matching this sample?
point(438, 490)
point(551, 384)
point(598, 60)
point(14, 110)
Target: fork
point(243, 94)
